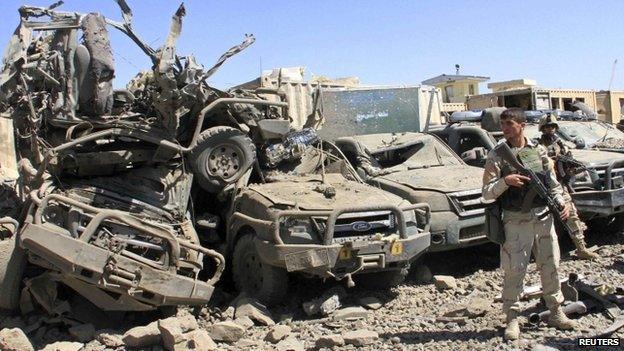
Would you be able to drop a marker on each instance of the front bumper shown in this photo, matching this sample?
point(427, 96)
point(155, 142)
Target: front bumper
point(116, 279)
point(457, 232)
point(599, 202)
point(336, 260)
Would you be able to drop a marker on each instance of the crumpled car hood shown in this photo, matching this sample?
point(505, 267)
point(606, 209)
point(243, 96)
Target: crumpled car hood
point(445, 179)
point(595, 157)
point(306, 192)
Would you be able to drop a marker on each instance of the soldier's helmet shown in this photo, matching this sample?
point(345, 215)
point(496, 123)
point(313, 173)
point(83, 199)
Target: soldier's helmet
point(549, 119)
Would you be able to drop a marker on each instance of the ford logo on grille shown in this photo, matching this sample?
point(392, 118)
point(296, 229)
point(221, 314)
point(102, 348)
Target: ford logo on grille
point(361, 226)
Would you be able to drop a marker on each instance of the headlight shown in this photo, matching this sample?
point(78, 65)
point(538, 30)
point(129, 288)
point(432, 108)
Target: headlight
point(437, 201)
point(583, 178)
point(298, 231)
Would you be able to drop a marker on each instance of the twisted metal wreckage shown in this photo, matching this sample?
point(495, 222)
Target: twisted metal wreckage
point(125, 241)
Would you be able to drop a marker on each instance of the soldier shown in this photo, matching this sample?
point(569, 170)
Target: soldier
point(555, 148)
point(528, 225)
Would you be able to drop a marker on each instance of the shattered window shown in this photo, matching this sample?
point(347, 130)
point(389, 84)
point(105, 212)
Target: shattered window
point(420, 152)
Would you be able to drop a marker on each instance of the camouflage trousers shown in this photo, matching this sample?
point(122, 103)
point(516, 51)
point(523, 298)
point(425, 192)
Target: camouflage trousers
point(526, 233)
point(575, 223)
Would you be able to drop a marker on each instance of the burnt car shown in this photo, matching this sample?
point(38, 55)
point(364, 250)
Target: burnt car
point(598, 192)
point(76, 143)
point(306, 211)
point(421, 168)
point(592, 134)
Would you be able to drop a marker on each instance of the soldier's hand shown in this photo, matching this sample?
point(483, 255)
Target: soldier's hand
point(565, 212)
point(516, 180)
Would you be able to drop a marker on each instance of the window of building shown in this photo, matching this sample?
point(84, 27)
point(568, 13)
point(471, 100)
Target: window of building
point(579, 99)
point(471, 89)
point(554, 103)
point(448, 93)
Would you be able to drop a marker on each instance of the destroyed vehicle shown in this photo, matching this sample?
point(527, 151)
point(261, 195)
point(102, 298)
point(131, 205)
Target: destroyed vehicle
point(307, 212)
point(587, 134)
point(421, 168)
point(75, 143)
point(597, 192)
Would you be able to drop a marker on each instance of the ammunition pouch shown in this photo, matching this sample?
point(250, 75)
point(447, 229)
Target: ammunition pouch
point(494, 227)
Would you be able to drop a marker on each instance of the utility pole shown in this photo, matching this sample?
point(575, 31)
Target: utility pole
point(612, 74)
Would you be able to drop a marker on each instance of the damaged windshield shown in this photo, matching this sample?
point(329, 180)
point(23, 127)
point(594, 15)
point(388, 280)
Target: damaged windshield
point(420, 151)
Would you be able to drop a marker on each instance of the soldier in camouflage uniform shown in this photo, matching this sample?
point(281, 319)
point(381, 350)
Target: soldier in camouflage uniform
point(528, 225)
point(555, 147)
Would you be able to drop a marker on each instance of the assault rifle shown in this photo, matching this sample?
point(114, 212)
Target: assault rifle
point(504, 152)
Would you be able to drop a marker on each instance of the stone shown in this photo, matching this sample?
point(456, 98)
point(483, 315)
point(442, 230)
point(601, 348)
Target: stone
point(83, 332)
point(329, 341)
point(290, 344)
point(93, 345)
point(173, 328)
point(326, 304)
point(248, 307)
point(478, 307)
point(444, 282)
point(350, 314)
point(360, 337)
point(395, 340)
point(199, 340)
point(110, 340)
point(228, 313)
point(63, 346)
point(422, 274)
point(142, 336)
point(540, 347)
point(244, 322)
point(227, 331)
point(14, 340)
point(370, 302)
point(277, 333)
point(330, 305)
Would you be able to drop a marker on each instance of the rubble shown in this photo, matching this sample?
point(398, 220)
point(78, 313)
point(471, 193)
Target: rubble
point(109, 339)
point(290, 344)
point(329, 341)
point(14, 340)
point(277, 333)
point(199, 340)
point(248, 307)
point(370, 302)
point(444, 282)
point(225, 331)
point(360, 337)
point(63, 346)
point(142, 336)
point(172, 330)
point(350, 313)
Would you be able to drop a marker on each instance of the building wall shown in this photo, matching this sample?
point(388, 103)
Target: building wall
point(609, 105)
point(558, 97)
point(461, 89)
point(481, 101)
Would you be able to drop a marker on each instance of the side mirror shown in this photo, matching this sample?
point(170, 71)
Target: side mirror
point(580, 143)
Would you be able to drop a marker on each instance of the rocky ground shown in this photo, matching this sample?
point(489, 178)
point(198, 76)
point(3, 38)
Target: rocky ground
point(449, 307)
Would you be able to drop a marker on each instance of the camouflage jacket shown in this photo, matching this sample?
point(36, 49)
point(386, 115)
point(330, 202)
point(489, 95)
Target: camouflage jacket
point(493, 179)
point(555, 147)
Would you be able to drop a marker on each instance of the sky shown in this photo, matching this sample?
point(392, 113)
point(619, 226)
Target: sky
point(560, 44)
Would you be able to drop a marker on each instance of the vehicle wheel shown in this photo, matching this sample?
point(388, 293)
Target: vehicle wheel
point(382, 280)
point(220, 157)
point(12, 264)
point(267, 283)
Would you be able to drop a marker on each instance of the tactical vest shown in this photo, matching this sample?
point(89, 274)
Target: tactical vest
point(522, 199)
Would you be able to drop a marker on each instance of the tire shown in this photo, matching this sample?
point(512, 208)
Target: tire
point(382, 280)
point(12, 264)
point(220, 157)
point(267, 283)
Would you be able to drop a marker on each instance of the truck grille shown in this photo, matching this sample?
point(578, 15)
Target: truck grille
point(617, 177)
point(467, 203)
point(472, 233)
point(362, 225)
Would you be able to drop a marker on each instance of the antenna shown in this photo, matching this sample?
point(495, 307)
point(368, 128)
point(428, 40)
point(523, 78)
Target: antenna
point(612, 74)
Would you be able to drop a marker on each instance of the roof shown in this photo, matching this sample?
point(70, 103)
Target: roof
point(449, 78)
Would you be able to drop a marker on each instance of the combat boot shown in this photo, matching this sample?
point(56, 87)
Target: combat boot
point(559, 320)
point(581, 250)
point(512, 330)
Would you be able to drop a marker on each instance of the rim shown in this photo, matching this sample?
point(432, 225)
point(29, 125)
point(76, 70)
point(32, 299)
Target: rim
point(224, 161)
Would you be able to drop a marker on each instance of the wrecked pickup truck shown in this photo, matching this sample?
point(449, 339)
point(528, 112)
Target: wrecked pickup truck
point(104, 177)
point(597, 192)
point(421, 168)
point(306, 211)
